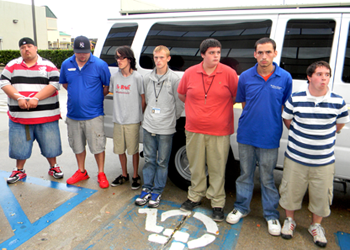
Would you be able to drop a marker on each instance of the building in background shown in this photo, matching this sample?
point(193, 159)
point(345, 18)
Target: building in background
point(16, 22)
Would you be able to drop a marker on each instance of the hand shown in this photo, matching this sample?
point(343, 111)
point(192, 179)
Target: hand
point(22, 103)
point(32, 103)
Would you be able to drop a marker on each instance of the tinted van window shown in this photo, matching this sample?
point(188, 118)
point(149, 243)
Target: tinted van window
point(183, 39)
point(346, 67)
point(120, 34)
point(305, 42)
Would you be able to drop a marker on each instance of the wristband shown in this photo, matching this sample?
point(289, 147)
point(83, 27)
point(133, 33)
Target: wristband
point(21, 97)
point(36, 98)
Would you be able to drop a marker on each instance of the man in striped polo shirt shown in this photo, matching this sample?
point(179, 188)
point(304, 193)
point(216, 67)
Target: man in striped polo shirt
point(31, 83)
point(313, 118)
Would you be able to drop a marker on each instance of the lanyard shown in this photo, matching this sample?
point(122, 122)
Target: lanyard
point(206, 92)
point(155, 92)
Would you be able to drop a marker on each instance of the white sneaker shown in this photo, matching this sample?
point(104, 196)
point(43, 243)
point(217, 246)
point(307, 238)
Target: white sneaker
point(234, 216)
point(317, 231)
point(288, 228)
point(274, 227)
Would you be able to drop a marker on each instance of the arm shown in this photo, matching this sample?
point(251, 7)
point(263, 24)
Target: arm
point(105, 90)
point(46, 92)
point(143, 103)
point(182, 97)
point(339, 127)
point(287, 122)
point(11, 92)
point(243, 105)
point(179, 105)
point(65, 85)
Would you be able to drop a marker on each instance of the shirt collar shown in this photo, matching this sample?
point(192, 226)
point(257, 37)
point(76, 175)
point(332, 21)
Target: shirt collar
point(309, 96)
point(218, 69)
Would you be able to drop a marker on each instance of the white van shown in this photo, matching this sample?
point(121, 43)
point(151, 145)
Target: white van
point(303, 36)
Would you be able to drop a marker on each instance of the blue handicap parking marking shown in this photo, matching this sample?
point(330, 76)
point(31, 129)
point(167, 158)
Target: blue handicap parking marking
point(22, 228)
point(126, 229)
point(343, 240)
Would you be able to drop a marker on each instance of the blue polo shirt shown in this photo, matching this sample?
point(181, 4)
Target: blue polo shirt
point(260, 124)
point(85, 87)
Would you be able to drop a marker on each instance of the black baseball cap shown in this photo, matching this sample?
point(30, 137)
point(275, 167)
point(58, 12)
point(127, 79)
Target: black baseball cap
point(26, 40)
point(81, 45)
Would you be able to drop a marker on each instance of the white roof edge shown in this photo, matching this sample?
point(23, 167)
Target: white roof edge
point(251, 11)
point(125, 9)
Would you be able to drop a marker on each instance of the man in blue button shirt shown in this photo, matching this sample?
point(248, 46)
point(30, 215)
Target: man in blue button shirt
point(86, 79)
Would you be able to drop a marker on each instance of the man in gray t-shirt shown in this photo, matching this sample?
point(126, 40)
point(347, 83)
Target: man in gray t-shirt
point(163, 109)
point(128, 104)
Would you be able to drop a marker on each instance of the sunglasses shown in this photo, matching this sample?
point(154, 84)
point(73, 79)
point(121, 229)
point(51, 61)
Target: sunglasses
point(120, 57)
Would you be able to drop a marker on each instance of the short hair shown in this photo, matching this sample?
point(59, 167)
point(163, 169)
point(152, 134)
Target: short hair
point(265, 40)
point(209, 43)
point(313, 66)
point(160, 48)
point(125, 51)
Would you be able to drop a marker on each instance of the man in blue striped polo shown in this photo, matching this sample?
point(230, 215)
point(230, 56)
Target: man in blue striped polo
point(313, 117)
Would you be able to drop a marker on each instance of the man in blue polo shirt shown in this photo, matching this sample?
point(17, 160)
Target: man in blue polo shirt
point(86, 79)
point(263, 91)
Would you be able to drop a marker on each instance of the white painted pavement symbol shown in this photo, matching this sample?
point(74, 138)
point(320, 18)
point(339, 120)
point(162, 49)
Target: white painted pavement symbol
point(151, 225)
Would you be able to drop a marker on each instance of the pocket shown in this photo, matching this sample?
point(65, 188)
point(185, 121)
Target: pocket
point(283, 187)
point(330, 196)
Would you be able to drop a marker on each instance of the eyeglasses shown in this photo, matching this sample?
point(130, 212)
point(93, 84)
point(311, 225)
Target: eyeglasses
point(120, 57)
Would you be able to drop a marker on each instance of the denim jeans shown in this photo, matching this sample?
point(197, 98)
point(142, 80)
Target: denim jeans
point(266, 159)
point(157, 150)
point(46, 134)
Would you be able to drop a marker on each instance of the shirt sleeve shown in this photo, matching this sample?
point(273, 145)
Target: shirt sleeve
point(182, 89)
point(343, 117)
point(240, 97)
point(288, 109)
point(63, 74)
point(179, 105)
point(5, 77)
point(288, 89)
point(105, 74)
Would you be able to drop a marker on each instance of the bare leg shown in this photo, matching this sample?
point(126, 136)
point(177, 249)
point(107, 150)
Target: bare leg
point(100, 160)
point(135, 163)
point(52, 161)
point(290, 213)
point(20, 164)
point(81, 160)
point(123, 160)
point(316, 219)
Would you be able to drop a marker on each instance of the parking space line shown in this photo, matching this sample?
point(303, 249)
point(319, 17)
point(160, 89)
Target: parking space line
point(343, 240)
point(22, 228)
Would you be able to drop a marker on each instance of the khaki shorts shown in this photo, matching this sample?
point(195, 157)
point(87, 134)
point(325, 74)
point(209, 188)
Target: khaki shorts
point(126, 137)
point(297, 178)
point(91, 131)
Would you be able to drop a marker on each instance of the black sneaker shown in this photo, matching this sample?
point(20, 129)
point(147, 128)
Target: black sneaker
point(218, 214)
point(120, 180)
point(136, 183)
point(154, 201)
point(189, 205)
point(144, 197)
point(16, 175)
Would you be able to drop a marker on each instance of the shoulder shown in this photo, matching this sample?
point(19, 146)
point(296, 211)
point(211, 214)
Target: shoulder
point(173, 76)
point(299, 94)
point(283, 72)
point(46, 62)
point(15, 61)
point(334, 95)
